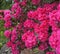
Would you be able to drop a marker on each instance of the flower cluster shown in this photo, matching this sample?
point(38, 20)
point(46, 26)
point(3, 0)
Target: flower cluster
point(28, 25)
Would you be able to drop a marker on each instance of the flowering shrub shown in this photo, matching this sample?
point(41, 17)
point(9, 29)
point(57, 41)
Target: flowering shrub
point(29, 24)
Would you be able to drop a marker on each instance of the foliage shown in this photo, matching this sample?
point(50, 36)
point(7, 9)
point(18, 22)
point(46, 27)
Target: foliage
point(5, 4)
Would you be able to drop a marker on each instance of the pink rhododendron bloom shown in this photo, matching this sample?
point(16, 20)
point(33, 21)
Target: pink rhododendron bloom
point(23, 3)
point(30, 39)
point(58, 15)
point(30, 42)
point(19, 26)
point(50, 52)
point(7, 33)
point(14, 35)
point(7, 12)
point(35, 2)
point(7, 17)
point(43, 36)
point(7, 24)
point(14, 46)
point(16, 10)
point(30, 14)
point(25, 35)
point(13, 38)
point(28, 23)
point(14, 32)
point(58, 7)
point(9, 43)
point(14, 49)
point(58, 34)
point(58, 49)
point(53, 41)
point(43, 46)
point(15, 52)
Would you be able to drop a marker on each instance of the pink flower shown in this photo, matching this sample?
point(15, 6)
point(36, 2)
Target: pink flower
point(50, 52)
point(17, 13)
point(58, 34)
point(54, 25)
point(25, 35)
point(30, 39)
point(7, 17)
point(16, 52)
point(7, 33)
point(7, 12)
point(14, 46)
point(13, 38)
point(30, 42)
point(35, 2)
point(52, 16)
point(30, 14)
point(14, 35)
point(40, 10)
point(58, 49)
point(43, 46)
point(28, 23)
point(23, 3)
point(43, 36)
point(58, 15)
point(58, 7)
point(43, 26)
point(53, 41)
point(15, 5)
point(19, 26)
point(14, 49)
point(37, 28)
point(9, 43)
point(7, 24)
point(16, 10)
point(14, 32)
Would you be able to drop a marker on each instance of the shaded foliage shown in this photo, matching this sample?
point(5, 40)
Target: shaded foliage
point(5, 4)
